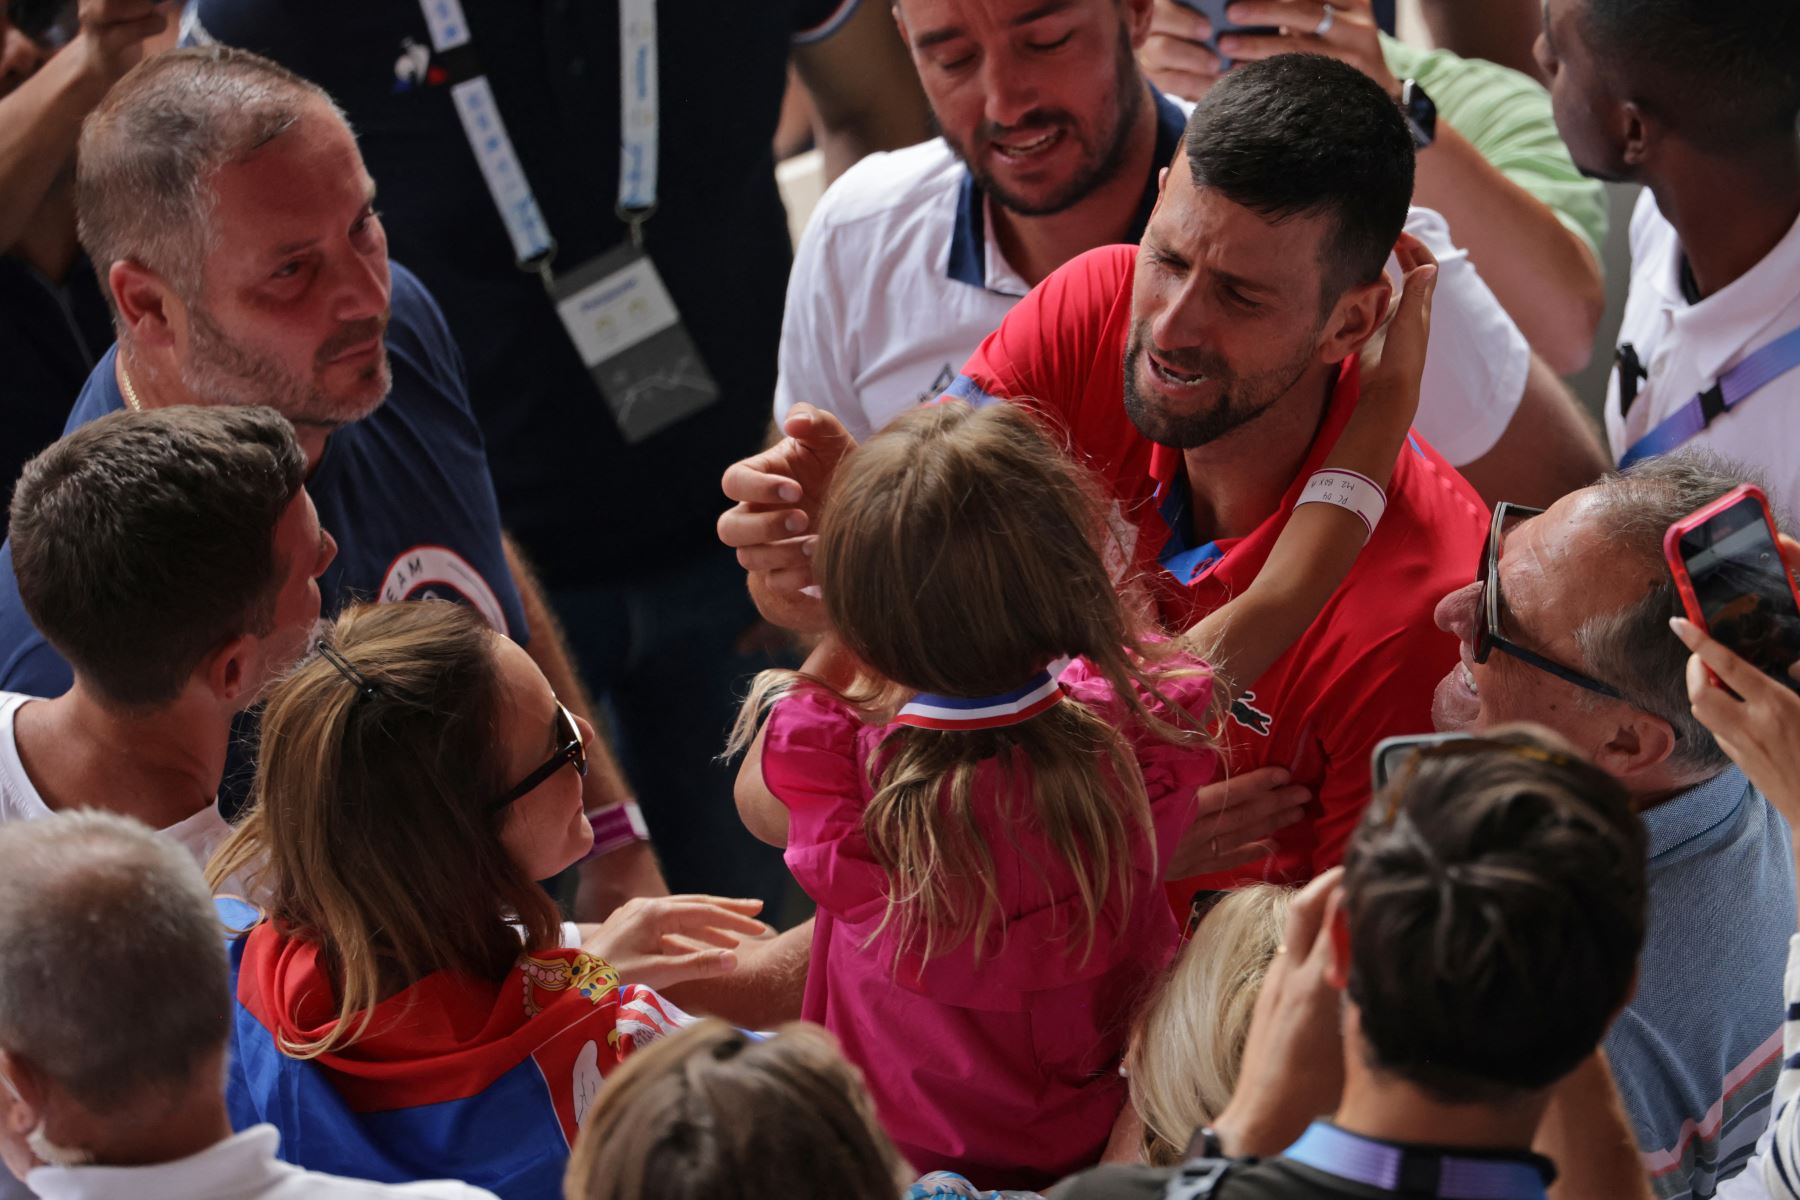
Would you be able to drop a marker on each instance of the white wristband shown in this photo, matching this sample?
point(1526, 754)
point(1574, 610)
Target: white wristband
point(1346, 489)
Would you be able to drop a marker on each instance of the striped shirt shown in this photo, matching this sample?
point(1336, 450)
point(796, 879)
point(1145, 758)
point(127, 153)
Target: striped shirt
point(1774, 1172)
point(1698, 1049)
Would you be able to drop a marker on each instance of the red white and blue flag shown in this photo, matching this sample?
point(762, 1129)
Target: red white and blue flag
point(454, 1078)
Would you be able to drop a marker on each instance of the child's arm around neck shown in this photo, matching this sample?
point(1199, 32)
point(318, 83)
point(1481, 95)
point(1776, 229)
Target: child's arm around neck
point(1320, 541)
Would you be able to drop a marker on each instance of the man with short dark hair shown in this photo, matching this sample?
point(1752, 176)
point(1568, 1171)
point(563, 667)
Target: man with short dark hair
point(1567, 624)
point(1485, 934)
point(1052, 144)
point(172, 558)
point(1203, 379)
point(1698, 101)
point(110, 1091)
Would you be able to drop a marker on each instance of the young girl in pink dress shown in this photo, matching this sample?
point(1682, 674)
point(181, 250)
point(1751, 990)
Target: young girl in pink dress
point(981, 826)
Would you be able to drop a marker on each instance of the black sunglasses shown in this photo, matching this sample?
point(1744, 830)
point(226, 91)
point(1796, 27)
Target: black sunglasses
point(1487, 626)
point(570, 749)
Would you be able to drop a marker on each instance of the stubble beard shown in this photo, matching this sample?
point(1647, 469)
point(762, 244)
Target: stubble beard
point(1241, 400)
point(220, 371)
point(1100, 163)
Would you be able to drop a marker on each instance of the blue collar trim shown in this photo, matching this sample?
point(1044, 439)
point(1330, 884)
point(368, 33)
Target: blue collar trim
point(1392, 1168)
point(968, 233)
point(1179, 556)
point(1703, 807)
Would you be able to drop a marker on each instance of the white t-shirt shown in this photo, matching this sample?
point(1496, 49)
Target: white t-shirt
point(889, 296)
point(242, 1167)
point(1686, 347)
point(19, 799)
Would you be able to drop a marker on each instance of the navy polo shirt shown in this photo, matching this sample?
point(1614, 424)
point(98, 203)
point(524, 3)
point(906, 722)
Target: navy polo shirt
point(403, 491)
point(587, 507)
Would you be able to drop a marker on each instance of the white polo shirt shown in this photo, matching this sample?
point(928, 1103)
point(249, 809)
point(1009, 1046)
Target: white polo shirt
point(1685, 347)
point(898, 277)
point(242, 1167)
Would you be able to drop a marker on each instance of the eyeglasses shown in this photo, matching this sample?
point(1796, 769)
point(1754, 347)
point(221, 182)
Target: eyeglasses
point(570, 749)
point(1487, 625)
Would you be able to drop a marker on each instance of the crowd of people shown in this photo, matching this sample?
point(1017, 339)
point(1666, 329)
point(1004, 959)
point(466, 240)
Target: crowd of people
point(1116, 666)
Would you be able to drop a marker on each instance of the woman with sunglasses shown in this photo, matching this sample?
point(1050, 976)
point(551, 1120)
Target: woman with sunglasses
point(410, 1005)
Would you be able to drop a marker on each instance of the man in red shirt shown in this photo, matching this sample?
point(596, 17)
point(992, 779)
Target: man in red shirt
point(1202, 377)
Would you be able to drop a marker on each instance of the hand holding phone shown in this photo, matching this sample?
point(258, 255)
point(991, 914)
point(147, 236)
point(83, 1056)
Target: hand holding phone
point(1753, 718)
point(1214, 12)
point(1727, 565)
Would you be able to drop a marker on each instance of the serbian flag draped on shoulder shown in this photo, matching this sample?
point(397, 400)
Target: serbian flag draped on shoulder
point(455, 1077)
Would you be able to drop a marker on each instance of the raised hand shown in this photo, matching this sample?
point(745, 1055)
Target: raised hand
point(1393, 362)
point(1350, 35)
point(1760, 731)
point(773, 523)
point(113, 32)
point(1293, 1066)
point(1176, 56)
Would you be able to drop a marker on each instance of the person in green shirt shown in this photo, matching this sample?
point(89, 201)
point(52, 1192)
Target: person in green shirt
point(1496, 168)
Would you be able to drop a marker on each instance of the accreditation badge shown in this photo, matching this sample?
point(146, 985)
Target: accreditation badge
point(626, 328)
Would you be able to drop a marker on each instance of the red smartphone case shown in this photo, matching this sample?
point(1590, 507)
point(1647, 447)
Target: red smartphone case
point(1684, 583)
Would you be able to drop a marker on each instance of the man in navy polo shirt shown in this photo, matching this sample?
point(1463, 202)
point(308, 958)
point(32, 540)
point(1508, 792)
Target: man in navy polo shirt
point(614, 512)
point(235, 227)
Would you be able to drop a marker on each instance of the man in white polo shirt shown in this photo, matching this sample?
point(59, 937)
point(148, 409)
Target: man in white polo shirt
point(914, 256)
point(1696, 100)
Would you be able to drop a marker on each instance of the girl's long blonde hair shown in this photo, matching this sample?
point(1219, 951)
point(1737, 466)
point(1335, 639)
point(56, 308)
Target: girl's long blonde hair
point(959, 554)
point(369, 830)
point(1188, 1043)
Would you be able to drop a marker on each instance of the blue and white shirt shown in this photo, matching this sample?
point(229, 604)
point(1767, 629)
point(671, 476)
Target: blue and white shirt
point(1697, 1051)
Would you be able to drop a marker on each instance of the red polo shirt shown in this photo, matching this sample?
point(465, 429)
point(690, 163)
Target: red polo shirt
point(1364, 670)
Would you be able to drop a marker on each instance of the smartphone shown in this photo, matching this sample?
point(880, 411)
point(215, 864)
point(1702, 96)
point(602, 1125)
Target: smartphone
point(1214, 11)
point(1390, 754)
point(1727, 566)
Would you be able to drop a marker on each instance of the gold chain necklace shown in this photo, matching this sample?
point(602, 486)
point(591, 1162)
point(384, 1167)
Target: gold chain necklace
point(131, 398)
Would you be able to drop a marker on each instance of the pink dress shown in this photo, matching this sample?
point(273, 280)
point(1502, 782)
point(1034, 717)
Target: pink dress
point(1007, 1069)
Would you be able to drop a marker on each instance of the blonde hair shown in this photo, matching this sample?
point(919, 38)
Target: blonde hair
point(958, 554)
point(712, 1113)
point(369, 828)
point(1182, 1064)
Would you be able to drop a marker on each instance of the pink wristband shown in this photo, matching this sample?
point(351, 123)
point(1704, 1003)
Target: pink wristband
point(617, 827)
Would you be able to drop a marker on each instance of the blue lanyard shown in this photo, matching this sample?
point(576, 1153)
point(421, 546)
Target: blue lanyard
point(1733, 388)
point(1325, 1147)
point(482, 124)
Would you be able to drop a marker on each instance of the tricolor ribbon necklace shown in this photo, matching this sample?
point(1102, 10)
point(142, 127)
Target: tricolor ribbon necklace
point(964, 713)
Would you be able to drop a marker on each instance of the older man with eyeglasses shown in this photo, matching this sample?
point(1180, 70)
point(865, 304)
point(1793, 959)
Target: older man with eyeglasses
point(1567, 624)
